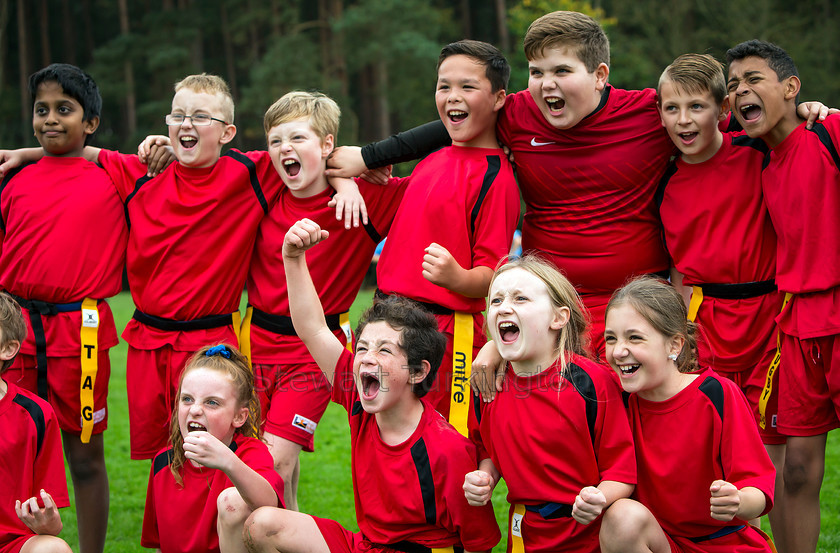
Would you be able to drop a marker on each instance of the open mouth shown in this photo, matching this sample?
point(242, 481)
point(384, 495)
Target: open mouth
point(628, 369)
point(750, 112)
point(508, 332)
point(291, 167)
point(688, 137)
point(188, 142)
point(456, 115)
point(370, 385)
point(195, 427)
point(555, 104)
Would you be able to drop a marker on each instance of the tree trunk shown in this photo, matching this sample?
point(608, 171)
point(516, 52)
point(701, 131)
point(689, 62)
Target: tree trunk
point(501, 26)
point(68, 28)
point(44, 21)
point(227, 43)
point(383, 120)
point(4, 46)
point(466, 19)
point(128, 72)
point(25, 70)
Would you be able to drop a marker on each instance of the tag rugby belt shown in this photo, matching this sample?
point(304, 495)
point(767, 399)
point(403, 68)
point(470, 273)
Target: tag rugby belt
point(202, 323)
point(281, 324)
point(89, 349)
point(411, 547)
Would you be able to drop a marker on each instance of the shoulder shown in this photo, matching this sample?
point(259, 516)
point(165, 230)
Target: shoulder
point(740, 140)
point(644, 99)
point(442, 441)
point(162, 460)
point(32, 407)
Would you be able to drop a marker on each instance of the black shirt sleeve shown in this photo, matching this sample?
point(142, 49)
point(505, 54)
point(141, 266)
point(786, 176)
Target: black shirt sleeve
point(406, 146)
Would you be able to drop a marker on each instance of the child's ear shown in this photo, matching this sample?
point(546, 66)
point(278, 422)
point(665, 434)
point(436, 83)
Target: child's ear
point(792, 85)
point(327, 145)
point(9, 350)
point(419, 376)
point(91, 125)
point(724, 108)
point(240, 417)
point(499, 102)
point(676, 345)
point(602, 73)
point(228, 134)
point(561, 318)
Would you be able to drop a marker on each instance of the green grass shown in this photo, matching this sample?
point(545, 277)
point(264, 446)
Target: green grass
point(325, 484)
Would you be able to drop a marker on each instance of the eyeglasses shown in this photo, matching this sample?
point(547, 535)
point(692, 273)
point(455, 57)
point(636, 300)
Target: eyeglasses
point(198, 119)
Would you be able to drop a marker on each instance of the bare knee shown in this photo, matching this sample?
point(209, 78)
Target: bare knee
point(45, 544)
point(804, 466)
point(86, 461)
point(232, 509)
point(262, 525)
point(625, 526)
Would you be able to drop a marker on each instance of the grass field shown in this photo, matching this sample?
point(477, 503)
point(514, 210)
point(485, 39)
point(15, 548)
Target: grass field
point(325, 485)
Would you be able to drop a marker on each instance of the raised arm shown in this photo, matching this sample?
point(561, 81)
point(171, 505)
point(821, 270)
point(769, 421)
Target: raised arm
point(304, 304)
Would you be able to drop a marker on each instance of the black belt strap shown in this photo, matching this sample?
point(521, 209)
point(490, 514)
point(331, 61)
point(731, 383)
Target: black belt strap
point(37, 309)
point(433, 308)
point(739, 291)
point(411, 547)
point(551, 510)
point(281, 324)
point(204, 323)
point(725, 531)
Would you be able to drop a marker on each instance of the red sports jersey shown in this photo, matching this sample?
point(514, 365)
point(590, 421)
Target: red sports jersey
point(589, 190)
point(802, 189)
point(412, 491)
point(464, 199)
point(551, 435)
point(706, 432)
point(192, 233)
point(30, 449)
point(338, 265)
point(718, 231)
point(63, 237)
point(183, 518)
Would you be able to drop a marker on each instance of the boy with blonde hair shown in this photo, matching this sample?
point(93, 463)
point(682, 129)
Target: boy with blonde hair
point(301, 129)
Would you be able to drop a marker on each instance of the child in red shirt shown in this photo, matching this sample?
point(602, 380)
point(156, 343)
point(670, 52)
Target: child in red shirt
point(703, 473)
point(216, 470)
point(30, 446)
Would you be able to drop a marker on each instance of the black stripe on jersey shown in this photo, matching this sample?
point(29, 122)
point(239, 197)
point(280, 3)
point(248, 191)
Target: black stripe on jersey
point(37, 414)
point(825, 138)
point(357, 408)
point(712, 388)
point(163, 460)
point(754, 143)
point(766, 161)
point(137, 185)
point(586, 388)
point(659, 196)
point(252, 174)
point(371, 230)
point(625, 398)
point(424, 475)
point(494, 163)
point(477, 401)
point(3, 184)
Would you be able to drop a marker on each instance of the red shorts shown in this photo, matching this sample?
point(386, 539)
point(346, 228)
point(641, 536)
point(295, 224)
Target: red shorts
point(152, 380)
point(752, 384)
point(810, 381)
point(64, 381)
point(746, 540)
point(293, 398)
point(15, 545)
point(338, 538)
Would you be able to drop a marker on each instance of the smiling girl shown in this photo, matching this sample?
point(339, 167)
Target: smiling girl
point(557, 432)
point(702, 468)
point(216, 466)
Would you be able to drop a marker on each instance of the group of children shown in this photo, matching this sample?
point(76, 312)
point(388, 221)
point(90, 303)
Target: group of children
point(586, 465)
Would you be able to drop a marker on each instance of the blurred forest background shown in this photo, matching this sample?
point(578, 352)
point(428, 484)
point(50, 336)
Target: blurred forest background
point(375, 57)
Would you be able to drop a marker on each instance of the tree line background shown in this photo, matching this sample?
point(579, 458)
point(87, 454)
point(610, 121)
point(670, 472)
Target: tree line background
point(375, 57)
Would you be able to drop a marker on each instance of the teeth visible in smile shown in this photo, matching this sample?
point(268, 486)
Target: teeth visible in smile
point(506, 325)
point(629, 369)
point(457, 113)
point(195, 427)
point(289, 162)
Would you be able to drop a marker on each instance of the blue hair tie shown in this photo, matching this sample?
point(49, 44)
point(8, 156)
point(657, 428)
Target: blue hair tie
point(221, 349)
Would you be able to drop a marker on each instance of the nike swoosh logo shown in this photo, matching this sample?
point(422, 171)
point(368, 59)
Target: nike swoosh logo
point(535, 143)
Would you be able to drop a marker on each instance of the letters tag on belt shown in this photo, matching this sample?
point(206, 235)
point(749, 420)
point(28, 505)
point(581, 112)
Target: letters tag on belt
point(771, 372)
point(462, 347)
point(517, 517)
point(89, 357)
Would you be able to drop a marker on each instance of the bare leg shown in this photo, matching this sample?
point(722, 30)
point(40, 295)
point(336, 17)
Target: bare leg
point(777, 515)
point(628, 527)
point(803, 475)
point(45, 544)
point(287, 464)
point(90, 482)
point(270, 530)
point(233, 512)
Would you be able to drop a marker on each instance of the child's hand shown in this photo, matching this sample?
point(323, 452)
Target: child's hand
point(725, 501)
point(478, 487)
point(10, 159)
point(379, 175)
point(348, 202)
point(144, 150)
point(439, 267)
point(346, 161)
point(488, 372)
point(206, 449)
point(301, 236)
point(814, 111)
point(159, 159)
point(589, 504)
point(42, 520)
